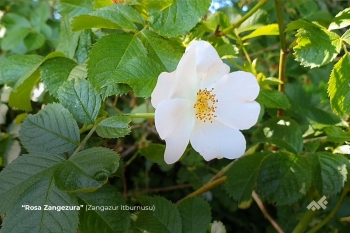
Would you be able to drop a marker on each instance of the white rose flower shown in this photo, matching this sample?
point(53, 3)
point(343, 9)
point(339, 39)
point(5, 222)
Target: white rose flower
point(202, 103)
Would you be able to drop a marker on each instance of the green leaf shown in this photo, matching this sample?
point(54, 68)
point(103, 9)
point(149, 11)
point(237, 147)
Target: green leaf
point(335, 134)
point(241, 177)
point(55, 72)
point(166, 52)
point(10, 149)
point(87, 170)
point(316, 46)
point(114, 89)
point(179, 17)
point(154, 152)
point(21, 97)
point(84, 45)
point(300, 23)
point(258, 19)
point(153, 6)
point(217, 227)
point(140, 73)
point(24, 172)
point(102, 3)
point(80, 99)
point(193, 220)
point(284, 178)
point(268, 30)
point(283, 132)
point(52, 130)
point(103, 220)
point(116, 16)
point(321, 116)
point(328, 172)
point(73, 8)
point(40, 14)
point(40, 194)
point(346, 37)
point(18, 67)
point(341, 20)
point(214, 21)
point(12, 20)
point(34, 41)
point(273, 99)
point(68, 40)
point(269, 81)
point(110, 53)
point(227, 51)
point(338, 88)
point(114, 127)
point(78, 72)
point(165, 218)
point(13, 38)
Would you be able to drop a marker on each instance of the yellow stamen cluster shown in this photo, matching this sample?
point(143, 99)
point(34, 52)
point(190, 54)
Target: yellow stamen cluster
point(205, 105)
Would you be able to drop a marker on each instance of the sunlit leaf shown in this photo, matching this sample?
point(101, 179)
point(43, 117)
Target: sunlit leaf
point(179, 17)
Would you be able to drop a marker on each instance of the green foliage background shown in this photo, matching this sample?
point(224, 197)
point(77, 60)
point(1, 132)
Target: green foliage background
point(89, 138)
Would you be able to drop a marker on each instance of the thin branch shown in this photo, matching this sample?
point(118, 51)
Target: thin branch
point(244, 18)
point(305, 221)
point(265, 213)
point(205, 188)
point(82, 143)
point(284, 51)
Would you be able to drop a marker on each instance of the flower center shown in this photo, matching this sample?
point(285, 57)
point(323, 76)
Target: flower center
point(205, 105)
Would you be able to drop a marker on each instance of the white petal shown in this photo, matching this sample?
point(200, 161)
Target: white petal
point(238, 85)
point(172, 114)
point(237, 114)
point(206, 54)
point(186, 83)
point(174, 120)
point(160, 92)
point(176, 144)
point(215, 140)
point(214, 73)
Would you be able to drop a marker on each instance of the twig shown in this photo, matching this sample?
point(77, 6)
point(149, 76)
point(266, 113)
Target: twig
point(265, 213)
point(284, 51)
point(205, 188)
point(82, 143)
point(128, 151)
point(244, 18)
point(222, 171)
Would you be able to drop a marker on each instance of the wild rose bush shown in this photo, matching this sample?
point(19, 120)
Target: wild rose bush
point(161, 116)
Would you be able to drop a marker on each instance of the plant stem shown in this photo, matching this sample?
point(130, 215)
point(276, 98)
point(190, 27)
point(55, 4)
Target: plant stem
point(265, 213)
point(305, 220)
point(131, 159)
point(244, 18)
point(82, 143)
point(205, 188)
point(284, 51)
point(85, 128)
point(222, 171)
point(139, 115)
point(332, 213)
